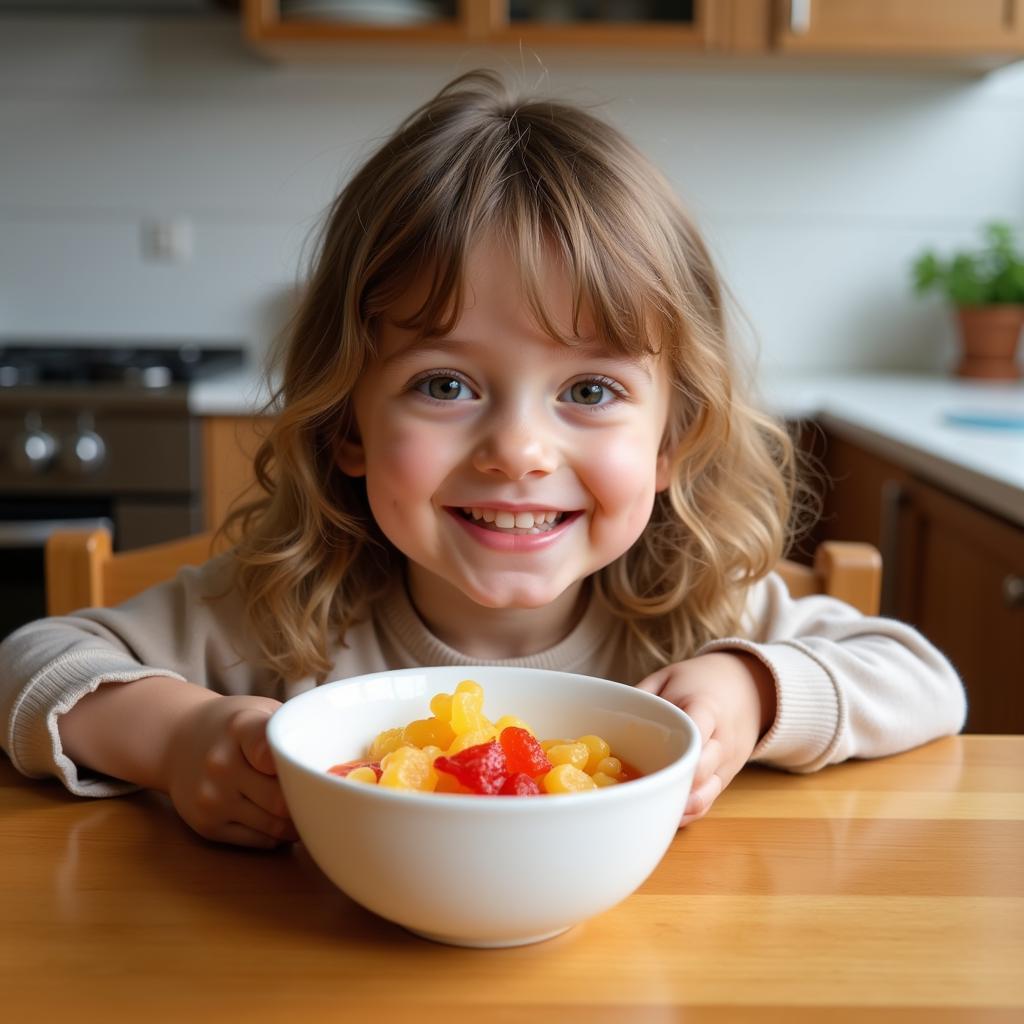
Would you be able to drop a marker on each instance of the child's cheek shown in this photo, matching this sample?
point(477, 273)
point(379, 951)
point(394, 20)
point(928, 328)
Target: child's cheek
point(622, 483)
point(404, 471)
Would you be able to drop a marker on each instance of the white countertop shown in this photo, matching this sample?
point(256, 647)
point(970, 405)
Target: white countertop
point(905, 418)
point(241, 393)
point(901, 417)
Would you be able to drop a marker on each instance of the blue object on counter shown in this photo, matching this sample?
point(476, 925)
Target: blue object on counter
point(1003, 419)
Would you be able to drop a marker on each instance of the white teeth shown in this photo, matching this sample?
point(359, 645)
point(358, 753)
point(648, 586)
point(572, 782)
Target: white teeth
point(506, 520)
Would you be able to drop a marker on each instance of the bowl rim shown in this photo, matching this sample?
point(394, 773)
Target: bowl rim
point(636, 787)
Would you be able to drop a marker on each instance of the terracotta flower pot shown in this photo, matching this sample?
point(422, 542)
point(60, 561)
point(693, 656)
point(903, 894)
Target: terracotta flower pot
point(990, 336)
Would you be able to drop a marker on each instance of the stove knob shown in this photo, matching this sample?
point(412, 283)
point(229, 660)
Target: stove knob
point(34, 451)
point(83, 453)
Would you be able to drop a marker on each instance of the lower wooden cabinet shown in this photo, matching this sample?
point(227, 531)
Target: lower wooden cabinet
point(230, 444)
point(952, 569)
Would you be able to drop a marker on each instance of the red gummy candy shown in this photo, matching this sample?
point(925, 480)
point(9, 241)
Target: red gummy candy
point(520, 784)
point(348, 766)
point(523, 752)
point(481, 768)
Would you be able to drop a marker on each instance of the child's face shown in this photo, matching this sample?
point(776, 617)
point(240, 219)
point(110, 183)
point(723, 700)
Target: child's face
point(496, 421)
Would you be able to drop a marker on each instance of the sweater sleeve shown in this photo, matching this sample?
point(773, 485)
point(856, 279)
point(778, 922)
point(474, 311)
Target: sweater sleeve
point(187, 628)
point(847, 685)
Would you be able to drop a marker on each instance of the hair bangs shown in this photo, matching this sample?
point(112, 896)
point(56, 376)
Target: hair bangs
point(610, 292)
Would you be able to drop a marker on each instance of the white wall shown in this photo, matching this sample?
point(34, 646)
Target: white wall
point(815, 190)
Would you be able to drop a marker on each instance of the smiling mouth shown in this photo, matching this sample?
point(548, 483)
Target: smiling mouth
point(514, 523)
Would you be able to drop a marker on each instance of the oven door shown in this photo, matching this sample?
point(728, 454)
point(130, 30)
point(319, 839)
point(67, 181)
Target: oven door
point(24, 528)
point(26, 523)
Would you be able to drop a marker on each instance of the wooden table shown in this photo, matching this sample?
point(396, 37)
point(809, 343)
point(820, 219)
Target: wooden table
point(896, 883)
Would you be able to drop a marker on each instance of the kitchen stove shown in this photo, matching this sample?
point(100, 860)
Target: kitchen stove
point(96, 434)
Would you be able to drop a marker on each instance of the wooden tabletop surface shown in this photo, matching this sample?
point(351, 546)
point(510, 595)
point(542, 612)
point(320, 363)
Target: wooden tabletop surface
point(896, 883)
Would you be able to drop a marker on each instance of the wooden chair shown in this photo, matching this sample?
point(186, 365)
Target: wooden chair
point(82, 570)
point(844, 569)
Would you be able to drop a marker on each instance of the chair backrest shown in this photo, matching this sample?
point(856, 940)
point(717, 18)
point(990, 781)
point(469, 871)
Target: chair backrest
point(847, 570)
point(83, 572)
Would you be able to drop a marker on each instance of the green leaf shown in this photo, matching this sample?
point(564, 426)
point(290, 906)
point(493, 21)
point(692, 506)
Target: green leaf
point(991, 274)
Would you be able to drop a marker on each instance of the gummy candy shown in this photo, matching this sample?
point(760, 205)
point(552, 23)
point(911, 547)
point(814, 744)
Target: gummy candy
point(520, 784)
point(350, 766)
point(459, 750)
point(523, 753)
point(481, 768)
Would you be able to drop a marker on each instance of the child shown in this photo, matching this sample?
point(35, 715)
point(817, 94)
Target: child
point(510, 431)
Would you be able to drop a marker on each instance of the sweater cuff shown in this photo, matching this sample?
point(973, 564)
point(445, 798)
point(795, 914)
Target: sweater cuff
point(808, 706)
point(35, 745)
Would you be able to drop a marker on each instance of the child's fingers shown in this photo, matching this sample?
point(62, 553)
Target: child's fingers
point(655, 681)
point(246, 813)
point(249, 729)
point(242, 835)
point(265, 792)
point(710, 762)
point(700, 800)
point(703, 718)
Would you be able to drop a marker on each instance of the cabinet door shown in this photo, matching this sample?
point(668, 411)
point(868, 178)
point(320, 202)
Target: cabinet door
point(229, 447)
point(962, 572)
point(293, 29)
point(907, 26)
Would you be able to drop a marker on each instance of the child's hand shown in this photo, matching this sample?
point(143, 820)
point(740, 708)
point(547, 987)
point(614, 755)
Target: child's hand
point(220, 773)
point(730, 695)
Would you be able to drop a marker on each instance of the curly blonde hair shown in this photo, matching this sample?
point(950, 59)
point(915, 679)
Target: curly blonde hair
point(545, 177)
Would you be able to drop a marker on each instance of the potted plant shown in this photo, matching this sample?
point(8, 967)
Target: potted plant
point(986, 286)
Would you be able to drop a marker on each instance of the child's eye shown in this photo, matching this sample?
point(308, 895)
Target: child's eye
point(593, 391)
point(444, 387)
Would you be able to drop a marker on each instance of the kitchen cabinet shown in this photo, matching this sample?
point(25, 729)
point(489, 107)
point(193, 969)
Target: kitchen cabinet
point(951, 568)
point(696, 25)
point(975, 35)
point(229, 447)
point(910, 27)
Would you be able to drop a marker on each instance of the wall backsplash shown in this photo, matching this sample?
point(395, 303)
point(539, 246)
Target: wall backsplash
point(814, 190)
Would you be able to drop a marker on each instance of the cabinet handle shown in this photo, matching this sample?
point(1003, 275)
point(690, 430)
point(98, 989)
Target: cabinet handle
point(1013, 590)
point(894, 495)
point(799, 17)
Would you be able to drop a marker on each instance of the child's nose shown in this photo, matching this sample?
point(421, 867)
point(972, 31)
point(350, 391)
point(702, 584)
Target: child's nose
point(516, 448)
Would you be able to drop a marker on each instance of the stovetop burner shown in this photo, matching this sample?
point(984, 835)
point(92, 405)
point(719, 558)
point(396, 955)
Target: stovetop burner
point(135, 366)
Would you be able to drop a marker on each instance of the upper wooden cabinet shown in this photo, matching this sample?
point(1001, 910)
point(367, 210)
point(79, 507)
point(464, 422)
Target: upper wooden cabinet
point(978, 34)
point(285, 28)
point(922, 27)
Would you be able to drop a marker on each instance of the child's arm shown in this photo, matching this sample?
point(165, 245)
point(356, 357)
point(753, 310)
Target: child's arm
point(208, 752)
point(846, 685)
point(100, 700)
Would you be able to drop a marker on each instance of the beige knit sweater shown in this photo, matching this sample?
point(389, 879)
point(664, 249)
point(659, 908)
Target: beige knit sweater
point(847, 685)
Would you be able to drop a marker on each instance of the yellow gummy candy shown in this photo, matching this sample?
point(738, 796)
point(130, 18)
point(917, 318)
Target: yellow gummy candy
point(611, 766)
point(470, 739)
point(467, 712)
point(363, 774)
point(598, 751)
point(384, 743)
point(576, 754)
point(602, 780)
point(441, 705)
point(548, 744)
point(408, 768)
point(512, 722)
point(566, 778)
point(469, 686)
point(429, 732)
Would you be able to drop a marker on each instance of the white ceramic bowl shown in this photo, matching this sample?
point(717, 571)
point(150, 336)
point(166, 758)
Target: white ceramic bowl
point(474, 870)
